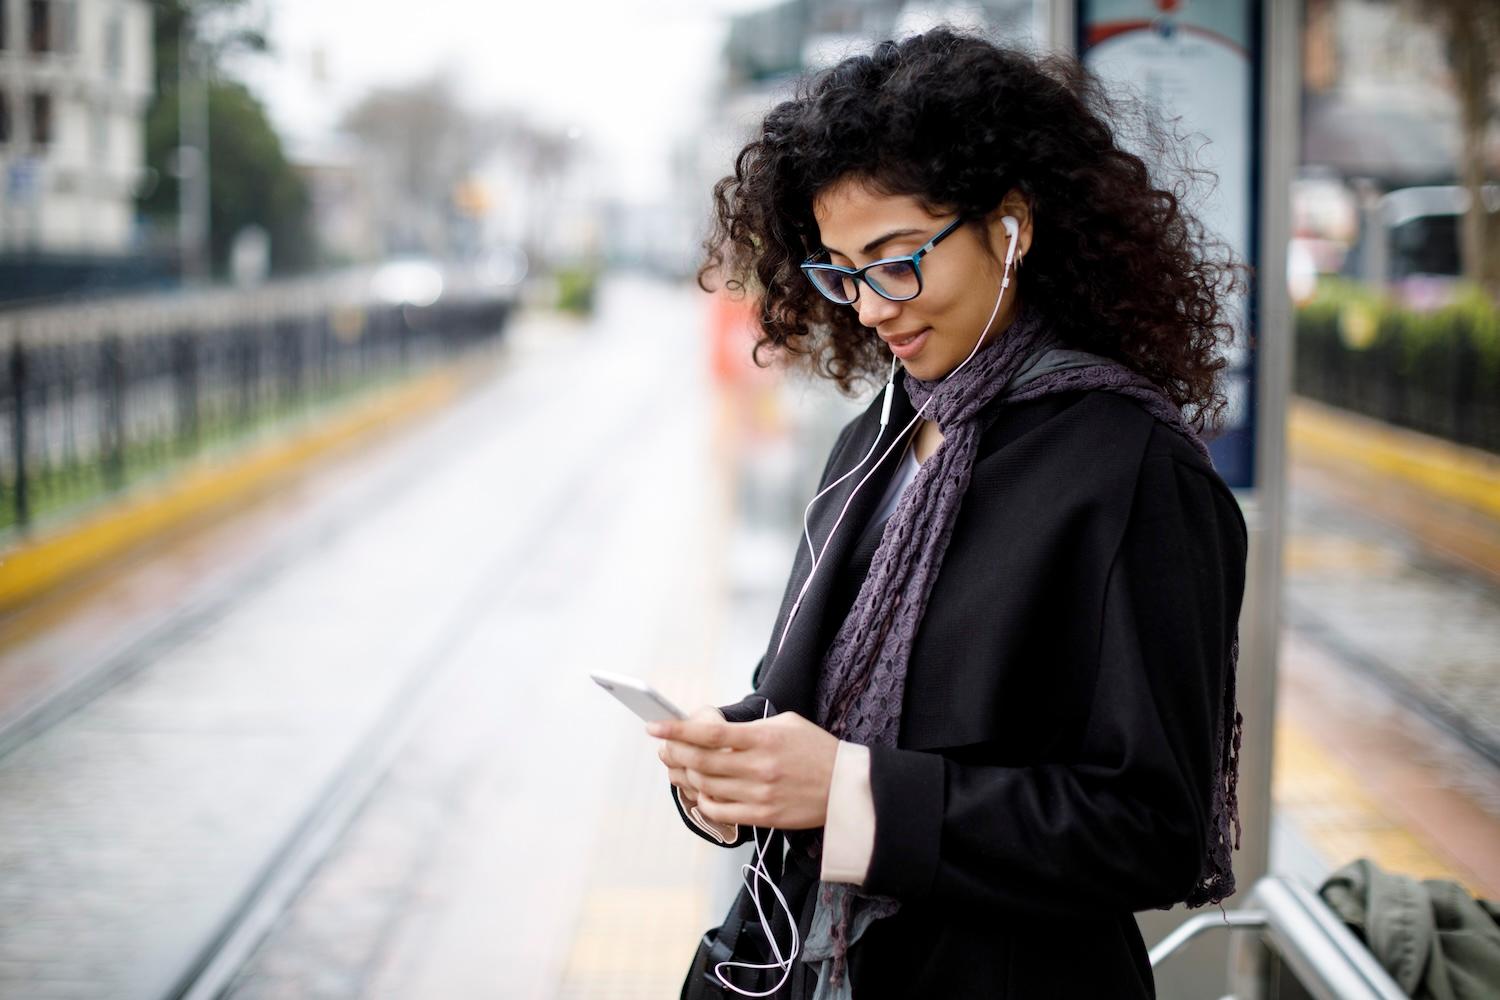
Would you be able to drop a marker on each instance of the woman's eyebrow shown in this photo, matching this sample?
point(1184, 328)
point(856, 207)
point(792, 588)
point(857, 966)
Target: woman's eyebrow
point(879, 240)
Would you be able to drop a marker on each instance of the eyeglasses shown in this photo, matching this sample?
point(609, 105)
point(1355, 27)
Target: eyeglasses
point(896, 278)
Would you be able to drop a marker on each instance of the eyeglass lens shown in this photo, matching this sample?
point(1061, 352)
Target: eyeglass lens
point(896, 280)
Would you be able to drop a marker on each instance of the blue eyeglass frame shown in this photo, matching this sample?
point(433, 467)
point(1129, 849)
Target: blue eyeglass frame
point(858, 273)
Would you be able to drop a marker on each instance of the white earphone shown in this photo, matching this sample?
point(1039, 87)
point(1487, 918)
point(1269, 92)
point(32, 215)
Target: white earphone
point(758, 868)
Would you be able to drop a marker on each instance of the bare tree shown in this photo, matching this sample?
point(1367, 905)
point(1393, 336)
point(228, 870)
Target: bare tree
point(425, 143)
point(1472, 32)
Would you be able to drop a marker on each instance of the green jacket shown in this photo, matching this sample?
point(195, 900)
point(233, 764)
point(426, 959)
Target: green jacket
point(1436, 941)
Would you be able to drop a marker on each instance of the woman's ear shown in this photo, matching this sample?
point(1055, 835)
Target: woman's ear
point(1015, 205)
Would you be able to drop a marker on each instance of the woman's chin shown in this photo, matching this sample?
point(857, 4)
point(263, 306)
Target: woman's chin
point(925, 370)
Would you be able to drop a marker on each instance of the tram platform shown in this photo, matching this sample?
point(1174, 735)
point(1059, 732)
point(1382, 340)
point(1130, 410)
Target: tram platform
point(465, 866)
point(1388, 733)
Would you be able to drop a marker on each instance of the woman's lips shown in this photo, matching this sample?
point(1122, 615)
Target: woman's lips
point(908, 347)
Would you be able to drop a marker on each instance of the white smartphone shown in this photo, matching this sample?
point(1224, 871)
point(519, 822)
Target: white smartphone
point(638, 696)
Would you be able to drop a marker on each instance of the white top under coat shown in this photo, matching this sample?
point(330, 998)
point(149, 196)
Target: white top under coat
point(903, 477)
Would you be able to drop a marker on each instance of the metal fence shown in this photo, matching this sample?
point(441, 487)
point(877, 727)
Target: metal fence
point(1437, 374)
point(98, 395)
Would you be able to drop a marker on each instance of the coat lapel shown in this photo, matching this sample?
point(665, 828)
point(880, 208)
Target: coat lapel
point(790, 679)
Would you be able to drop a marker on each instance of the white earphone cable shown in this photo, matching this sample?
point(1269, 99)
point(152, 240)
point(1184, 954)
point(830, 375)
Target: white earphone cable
point(758, 871)
point(885, 417)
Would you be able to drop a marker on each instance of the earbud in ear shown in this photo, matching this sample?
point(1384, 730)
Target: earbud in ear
point(1013, 230)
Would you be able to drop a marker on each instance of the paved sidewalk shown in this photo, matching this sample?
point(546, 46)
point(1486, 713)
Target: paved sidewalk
point(1360, 775)
point(1388, 740)
point(1378, 594)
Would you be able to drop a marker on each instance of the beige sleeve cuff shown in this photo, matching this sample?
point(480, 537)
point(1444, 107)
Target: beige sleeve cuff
point(724, 833)
point(849, 832)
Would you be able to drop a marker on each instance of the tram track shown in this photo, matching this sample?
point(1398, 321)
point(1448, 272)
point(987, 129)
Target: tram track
point(1387, 604)
point(340, 803)
point(204, 607)
point(1307, 622)
point(184, 930)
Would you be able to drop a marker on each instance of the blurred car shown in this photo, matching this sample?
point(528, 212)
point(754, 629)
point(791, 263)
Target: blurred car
point(1411, 242)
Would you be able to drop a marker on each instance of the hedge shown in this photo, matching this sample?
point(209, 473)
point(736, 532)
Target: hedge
point(1437, 371)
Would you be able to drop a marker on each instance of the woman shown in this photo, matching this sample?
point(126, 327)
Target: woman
point(996, 715)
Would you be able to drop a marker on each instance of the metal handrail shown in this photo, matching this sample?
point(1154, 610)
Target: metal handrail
point(1203, 922)
point(1297, 927)
point(1324, 955)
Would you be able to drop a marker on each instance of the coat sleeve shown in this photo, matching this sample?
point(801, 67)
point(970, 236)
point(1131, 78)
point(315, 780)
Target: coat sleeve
point(1123, 825)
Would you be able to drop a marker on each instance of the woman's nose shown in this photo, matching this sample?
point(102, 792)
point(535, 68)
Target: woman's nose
point(873, 309)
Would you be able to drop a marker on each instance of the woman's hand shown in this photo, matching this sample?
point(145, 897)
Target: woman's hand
point(768, 772)
point(678, 776)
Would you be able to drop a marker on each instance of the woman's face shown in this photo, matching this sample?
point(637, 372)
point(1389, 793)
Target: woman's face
point(934, 332)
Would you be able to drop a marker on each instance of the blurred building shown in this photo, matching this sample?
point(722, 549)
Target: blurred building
point(778, 42)
point(75, 83)
point(341, 198)
point(1379, 197)
point(661, 235)
point(1378, 95)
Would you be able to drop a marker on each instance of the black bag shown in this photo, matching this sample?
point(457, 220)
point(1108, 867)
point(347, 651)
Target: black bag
point(739, 938)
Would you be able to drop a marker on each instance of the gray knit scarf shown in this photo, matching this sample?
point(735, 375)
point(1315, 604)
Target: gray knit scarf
point(863, 678)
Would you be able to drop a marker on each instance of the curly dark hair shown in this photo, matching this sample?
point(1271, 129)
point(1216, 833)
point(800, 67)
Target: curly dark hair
point(1117, 264)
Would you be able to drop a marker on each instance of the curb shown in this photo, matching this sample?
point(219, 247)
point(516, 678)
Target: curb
point(36, 567)
point(1452, 472)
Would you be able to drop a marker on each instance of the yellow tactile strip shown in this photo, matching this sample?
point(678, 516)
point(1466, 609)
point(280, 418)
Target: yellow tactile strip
point(1454, 472)
point(1324, 553)
point(633, 942)
point(1329, 805)
point(36, 566)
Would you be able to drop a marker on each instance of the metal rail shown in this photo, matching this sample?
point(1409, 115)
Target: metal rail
point(1298, 933)
point(1201, 924)
point(96, 394)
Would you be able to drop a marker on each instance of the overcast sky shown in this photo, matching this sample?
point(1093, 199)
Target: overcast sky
point(629, 73)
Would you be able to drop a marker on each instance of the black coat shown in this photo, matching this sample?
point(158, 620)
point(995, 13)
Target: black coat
point(1055, 755)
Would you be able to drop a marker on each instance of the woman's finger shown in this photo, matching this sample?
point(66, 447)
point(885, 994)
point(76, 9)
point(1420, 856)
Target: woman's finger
point(735, 812)
point(707, 730)
point(717, 762)
point(739, 790)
